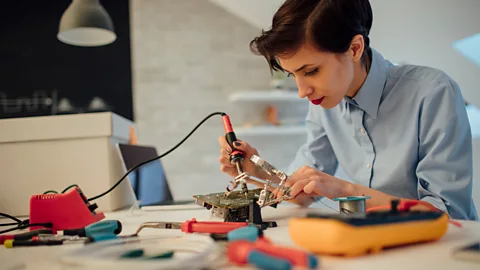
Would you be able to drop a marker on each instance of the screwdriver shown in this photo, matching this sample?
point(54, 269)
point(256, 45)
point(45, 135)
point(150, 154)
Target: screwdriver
point(24, 236)
point(236, 156)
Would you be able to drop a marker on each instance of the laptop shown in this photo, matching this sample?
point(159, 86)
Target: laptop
point(149, 181)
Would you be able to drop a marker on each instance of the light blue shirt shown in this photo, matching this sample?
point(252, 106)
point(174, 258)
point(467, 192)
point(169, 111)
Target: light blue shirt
point(405, 133)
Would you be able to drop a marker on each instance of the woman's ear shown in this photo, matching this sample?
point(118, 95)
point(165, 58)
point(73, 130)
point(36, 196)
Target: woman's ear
point(357, 45)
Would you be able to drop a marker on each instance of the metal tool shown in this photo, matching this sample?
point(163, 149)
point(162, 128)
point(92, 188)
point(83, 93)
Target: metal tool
point(48, 237)
point(191, 226)
point(268, 168)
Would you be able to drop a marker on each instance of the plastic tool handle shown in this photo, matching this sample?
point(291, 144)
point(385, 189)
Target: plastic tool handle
point(295, 256)
point(29, 243)
point(101, 237)
point(101, 227)
point(191, 226)
point(250, 233)
point(243, 252)
point(266, 262)
point(229, 134)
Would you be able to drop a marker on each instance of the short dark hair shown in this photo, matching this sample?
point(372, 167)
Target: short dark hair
point(328, 25)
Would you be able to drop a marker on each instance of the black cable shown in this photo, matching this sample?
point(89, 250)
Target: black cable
point(159, 157)
point(69, 187)
point(8, 224)
point(47, 225)
point(11, 217)
point(65, 190)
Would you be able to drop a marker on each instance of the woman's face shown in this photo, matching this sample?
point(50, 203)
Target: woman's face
point(323, 78)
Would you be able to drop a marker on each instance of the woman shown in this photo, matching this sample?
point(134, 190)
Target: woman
point(397, 131)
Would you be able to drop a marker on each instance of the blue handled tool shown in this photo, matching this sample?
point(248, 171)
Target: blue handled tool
point(267, 262)
point(102, 227)
point(100, 237)
point(250, 233)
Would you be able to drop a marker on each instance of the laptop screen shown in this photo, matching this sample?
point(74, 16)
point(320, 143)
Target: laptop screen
point(149, 181)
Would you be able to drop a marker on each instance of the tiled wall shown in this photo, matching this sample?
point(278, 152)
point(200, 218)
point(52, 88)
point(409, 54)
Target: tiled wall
point(187, 57)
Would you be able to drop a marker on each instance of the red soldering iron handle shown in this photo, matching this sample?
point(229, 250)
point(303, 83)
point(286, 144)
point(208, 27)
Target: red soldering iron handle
point(229, 134)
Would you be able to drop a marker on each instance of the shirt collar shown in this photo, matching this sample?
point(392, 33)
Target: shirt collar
point(368, 97)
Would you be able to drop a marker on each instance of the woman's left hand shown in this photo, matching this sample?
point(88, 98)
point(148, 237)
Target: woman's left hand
point(316, 183)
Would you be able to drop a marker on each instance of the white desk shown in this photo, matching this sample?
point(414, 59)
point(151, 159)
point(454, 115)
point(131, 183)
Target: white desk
point(425, 256)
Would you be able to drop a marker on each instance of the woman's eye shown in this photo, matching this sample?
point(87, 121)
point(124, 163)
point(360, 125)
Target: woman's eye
point(311, 73)
point(290, 74)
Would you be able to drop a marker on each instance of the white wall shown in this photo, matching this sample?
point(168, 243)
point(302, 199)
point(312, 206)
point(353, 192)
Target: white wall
point(423, 31)
point(188, 56)
point(259, 13)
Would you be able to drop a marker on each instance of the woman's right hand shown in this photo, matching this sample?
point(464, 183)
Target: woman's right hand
point(247, 165)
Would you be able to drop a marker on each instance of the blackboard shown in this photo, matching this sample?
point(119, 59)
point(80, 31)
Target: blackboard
point(39, 75)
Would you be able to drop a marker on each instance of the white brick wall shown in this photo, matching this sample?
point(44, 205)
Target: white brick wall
point(187, 57)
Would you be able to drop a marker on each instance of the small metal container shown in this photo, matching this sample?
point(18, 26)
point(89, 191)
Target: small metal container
point(352, 204)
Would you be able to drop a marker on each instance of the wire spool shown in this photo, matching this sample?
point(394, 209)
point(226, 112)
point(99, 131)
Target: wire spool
point(352, 204)
point(191, 251)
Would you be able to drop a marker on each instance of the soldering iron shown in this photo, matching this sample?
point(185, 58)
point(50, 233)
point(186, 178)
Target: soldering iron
point(236, 156)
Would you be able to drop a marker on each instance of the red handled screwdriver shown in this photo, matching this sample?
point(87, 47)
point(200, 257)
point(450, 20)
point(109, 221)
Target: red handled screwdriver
point(25, 236)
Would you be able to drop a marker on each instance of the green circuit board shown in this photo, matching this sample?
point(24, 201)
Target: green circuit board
point(235, 199)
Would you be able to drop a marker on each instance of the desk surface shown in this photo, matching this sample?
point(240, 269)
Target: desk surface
point(435, 255)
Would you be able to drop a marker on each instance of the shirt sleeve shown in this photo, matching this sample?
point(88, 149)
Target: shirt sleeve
point(317, 151)
point(445, 167)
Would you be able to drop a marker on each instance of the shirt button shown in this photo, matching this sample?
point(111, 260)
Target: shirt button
point(362, 130)
point(368, 166)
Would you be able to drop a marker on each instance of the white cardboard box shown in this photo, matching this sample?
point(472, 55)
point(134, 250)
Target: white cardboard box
point(52, 152)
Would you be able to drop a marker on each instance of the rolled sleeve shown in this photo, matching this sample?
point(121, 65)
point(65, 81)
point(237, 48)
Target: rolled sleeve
point(445, 168)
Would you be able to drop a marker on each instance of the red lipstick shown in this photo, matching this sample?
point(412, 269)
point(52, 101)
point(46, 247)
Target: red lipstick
point(317, 101)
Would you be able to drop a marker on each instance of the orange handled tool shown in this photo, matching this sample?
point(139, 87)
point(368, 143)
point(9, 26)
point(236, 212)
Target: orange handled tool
point(194, 226)
point(191, 226)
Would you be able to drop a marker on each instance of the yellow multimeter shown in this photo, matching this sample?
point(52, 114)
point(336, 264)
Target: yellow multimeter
point(363, 233)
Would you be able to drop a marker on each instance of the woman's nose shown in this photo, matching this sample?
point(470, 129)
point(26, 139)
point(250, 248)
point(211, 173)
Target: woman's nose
point(304, 90)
